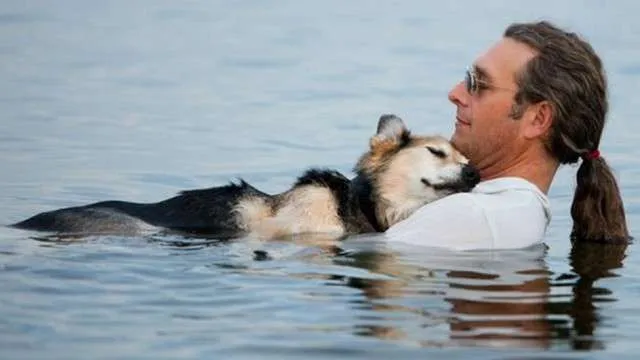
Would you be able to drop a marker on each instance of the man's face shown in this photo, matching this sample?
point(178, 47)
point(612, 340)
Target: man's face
point(484, 131)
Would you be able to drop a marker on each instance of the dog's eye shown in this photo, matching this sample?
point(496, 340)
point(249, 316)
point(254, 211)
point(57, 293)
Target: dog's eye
point(437, 152)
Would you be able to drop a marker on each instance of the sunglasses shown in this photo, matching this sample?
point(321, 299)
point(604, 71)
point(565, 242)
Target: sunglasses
point(474, 85)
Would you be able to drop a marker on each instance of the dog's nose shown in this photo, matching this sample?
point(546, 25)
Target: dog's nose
point(470, 175)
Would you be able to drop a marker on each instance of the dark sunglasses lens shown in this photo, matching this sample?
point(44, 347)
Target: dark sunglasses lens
point(469, 82)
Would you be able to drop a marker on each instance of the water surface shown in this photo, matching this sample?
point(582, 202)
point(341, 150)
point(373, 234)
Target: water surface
point(139, 100)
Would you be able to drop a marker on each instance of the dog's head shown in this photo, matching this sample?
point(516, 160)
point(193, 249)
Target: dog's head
point(408, 171)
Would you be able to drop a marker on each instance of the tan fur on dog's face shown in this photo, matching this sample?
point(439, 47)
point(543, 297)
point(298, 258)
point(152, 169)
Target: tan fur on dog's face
point(409, 171)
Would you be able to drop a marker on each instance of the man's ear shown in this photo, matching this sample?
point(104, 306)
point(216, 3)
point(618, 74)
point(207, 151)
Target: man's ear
point(537, 120)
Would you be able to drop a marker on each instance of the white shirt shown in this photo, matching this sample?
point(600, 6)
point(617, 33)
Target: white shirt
point(503, 213)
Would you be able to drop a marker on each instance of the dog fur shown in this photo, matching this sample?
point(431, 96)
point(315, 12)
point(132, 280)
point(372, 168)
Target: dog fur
point(400, 173)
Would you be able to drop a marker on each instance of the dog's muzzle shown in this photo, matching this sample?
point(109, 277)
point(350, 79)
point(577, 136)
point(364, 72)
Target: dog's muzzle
point(470, 176)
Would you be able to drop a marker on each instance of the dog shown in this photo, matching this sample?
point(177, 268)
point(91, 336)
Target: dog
point(397, 175)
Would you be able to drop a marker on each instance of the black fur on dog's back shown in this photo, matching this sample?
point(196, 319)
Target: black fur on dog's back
point(201, 211)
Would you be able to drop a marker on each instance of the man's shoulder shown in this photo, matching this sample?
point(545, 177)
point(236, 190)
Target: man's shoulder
point(500, 189)
point(505, 184)
point(491, 199)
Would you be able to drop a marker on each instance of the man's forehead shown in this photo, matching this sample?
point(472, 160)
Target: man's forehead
point(503, 60)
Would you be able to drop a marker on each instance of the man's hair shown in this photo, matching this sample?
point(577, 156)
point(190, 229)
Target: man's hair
point(569, 75)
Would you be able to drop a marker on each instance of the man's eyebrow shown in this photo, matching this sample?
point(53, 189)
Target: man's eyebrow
point(482, 73)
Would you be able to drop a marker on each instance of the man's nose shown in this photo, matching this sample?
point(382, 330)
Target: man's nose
point(458, 95)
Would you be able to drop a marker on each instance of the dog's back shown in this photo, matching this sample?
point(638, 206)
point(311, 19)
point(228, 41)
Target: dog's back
point(202, 211)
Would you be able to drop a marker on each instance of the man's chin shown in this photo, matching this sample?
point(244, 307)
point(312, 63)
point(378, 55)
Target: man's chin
point(460, 144)
point(456, 141)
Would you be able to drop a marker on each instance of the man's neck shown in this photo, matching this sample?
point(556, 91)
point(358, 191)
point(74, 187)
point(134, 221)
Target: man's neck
point(534, 165)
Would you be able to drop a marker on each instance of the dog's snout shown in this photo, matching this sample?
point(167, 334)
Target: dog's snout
point(470, 175)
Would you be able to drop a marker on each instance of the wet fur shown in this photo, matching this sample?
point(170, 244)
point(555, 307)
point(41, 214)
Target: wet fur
point(320, 201)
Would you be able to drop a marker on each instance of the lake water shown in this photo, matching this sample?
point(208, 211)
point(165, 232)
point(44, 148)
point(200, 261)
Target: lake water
point(139, 100)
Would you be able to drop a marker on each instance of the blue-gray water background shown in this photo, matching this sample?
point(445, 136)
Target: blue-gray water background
point(138, 100)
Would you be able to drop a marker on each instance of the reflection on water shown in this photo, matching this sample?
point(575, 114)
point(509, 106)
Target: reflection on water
point(591, 262)
point(495, 299)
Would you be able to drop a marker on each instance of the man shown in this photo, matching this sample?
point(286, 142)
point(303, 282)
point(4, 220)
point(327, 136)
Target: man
point(533, 101)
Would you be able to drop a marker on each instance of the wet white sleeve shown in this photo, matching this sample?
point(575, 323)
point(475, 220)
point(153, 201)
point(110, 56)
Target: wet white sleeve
point(455, 222)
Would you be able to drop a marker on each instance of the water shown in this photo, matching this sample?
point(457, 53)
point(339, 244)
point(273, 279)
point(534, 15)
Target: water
point(138, 100)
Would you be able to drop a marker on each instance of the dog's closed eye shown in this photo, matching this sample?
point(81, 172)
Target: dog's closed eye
point(437, 152)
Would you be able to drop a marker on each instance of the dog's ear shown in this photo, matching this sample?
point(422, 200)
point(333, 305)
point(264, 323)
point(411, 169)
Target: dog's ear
point(391, 129)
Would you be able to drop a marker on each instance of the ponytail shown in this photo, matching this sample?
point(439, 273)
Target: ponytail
point(597, 209)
